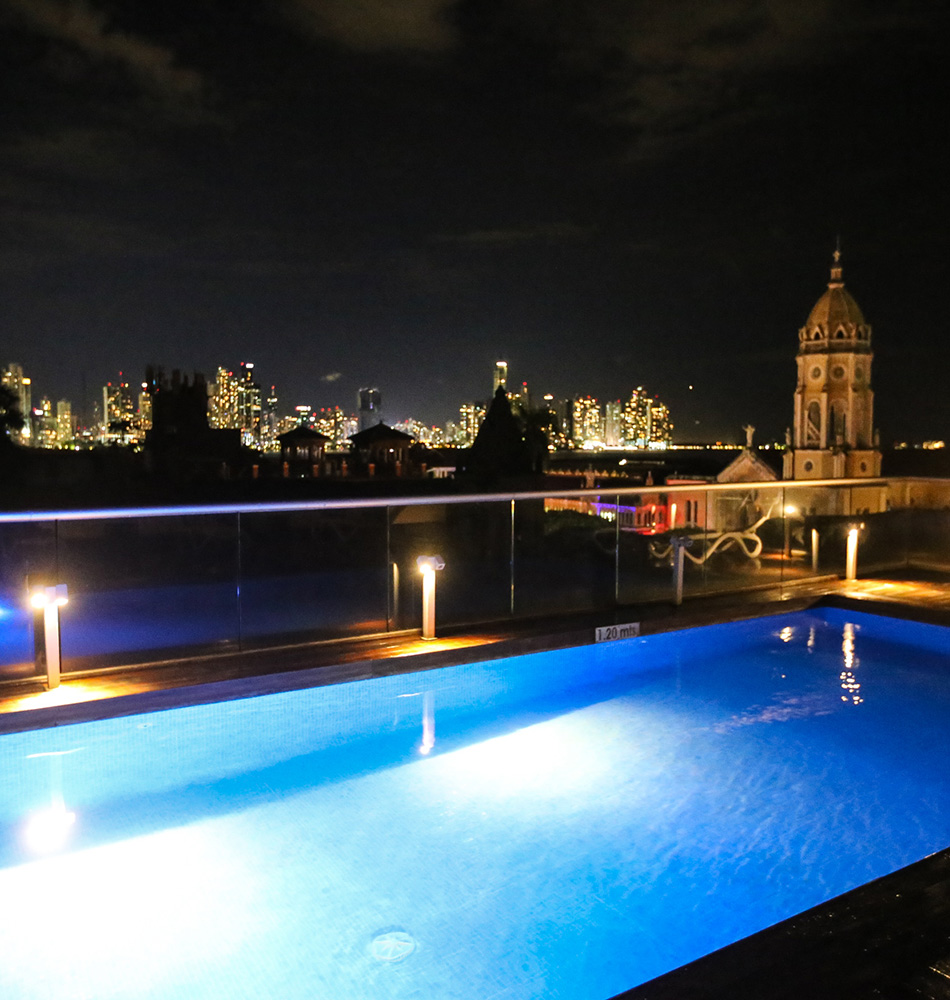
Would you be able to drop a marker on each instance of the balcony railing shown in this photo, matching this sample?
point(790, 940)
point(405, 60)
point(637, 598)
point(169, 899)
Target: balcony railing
point(148, 585)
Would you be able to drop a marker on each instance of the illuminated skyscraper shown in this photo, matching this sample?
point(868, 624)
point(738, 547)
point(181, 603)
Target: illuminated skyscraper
point(588, 422)
point(235, 402)
point(368, 408)
point(118, 414)
point(471, 416)
point(636, 420)
point(65, 434)
point(269, 420)
point(44, 425)
point(613, 414)
point(336, 425)
point(500, 376)
point(143, 416)
point(661, 426)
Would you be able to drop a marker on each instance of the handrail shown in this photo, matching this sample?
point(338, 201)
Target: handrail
point(277, 507)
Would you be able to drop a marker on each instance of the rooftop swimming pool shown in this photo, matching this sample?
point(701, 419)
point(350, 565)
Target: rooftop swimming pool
point(565, 824)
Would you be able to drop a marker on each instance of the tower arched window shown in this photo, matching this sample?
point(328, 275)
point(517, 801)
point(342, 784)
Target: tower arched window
point(816, 335)
point(813, 424)
point(840, 334)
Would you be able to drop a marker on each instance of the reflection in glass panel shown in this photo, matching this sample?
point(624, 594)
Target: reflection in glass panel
point(473, 539)
point(27, 556)
point(312, 574)
point(739, 543)
point(812, 531)
point(143, 589)
point(565, 554)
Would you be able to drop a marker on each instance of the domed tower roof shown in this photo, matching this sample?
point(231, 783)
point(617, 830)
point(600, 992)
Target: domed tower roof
point(835, 317)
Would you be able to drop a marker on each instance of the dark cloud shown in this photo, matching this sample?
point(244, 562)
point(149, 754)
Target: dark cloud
point(378, 25)
point(673, 73)
point(549, 232)
point(89, 29)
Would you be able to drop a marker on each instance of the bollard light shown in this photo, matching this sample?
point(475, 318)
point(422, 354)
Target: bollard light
point(50, 600)
point(851, 555)
point(789, 511)
point(680, 544)
point(428, 567)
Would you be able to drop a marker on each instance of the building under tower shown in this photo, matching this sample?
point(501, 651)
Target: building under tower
point(833, 430)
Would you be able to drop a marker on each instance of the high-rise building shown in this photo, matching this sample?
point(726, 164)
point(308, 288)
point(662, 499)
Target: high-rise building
point(235, 402)
point(368, 404)
point(65, 431)
point(833, 427)
point(44, 425)
point(661, 426)
point(269, 422)
point(613, 424)
point(432, 437)
point(143, 415)
point(587, 423)
point(336, 425)
point(520, 400)
point(499, 377)
point(635, 420)
point(471, 416)
point(118, 414)
point(22, 387)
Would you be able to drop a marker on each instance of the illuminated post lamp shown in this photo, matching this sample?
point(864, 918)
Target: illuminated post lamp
point(814, 550)
point(790, 512)
point(680, 544)
point(851, 556)
point(50, 599)
point(428, 566)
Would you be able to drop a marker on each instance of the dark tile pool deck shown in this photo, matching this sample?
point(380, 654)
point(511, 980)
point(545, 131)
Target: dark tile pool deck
point(887, 939)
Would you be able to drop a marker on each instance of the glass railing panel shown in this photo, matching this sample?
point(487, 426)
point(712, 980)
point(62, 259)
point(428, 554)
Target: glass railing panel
point(927, 539)
point(739, 543)
point(647, 521)
point(474, 541)
point(27, 557)
point(820, 519)
point(810, 531)
point(565, 554)
point(144, 589)
point(312, 574)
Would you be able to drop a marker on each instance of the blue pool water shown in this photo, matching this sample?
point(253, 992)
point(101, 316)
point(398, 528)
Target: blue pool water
point(565, 824)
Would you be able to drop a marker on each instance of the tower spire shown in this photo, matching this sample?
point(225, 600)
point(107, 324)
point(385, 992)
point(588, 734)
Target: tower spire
point(836, 271)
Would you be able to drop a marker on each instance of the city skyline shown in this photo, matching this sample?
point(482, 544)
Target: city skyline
point(121, 412)
point(626, 194)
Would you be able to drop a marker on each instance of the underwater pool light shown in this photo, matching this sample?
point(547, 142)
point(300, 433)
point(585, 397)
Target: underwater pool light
point(48, 829)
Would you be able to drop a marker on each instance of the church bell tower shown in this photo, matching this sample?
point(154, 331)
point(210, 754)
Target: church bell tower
point(833, 435)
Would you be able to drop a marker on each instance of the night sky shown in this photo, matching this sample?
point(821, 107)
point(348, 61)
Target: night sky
point(606, 193)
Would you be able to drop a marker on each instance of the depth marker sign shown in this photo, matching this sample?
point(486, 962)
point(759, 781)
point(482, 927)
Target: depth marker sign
point(607, 633)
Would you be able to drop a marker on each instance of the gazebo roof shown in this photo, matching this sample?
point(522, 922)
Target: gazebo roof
point(302, 433)
point(379, 433)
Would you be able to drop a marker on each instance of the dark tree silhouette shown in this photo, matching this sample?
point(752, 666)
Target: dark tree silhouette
point(499, 448)
point(11, 419)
